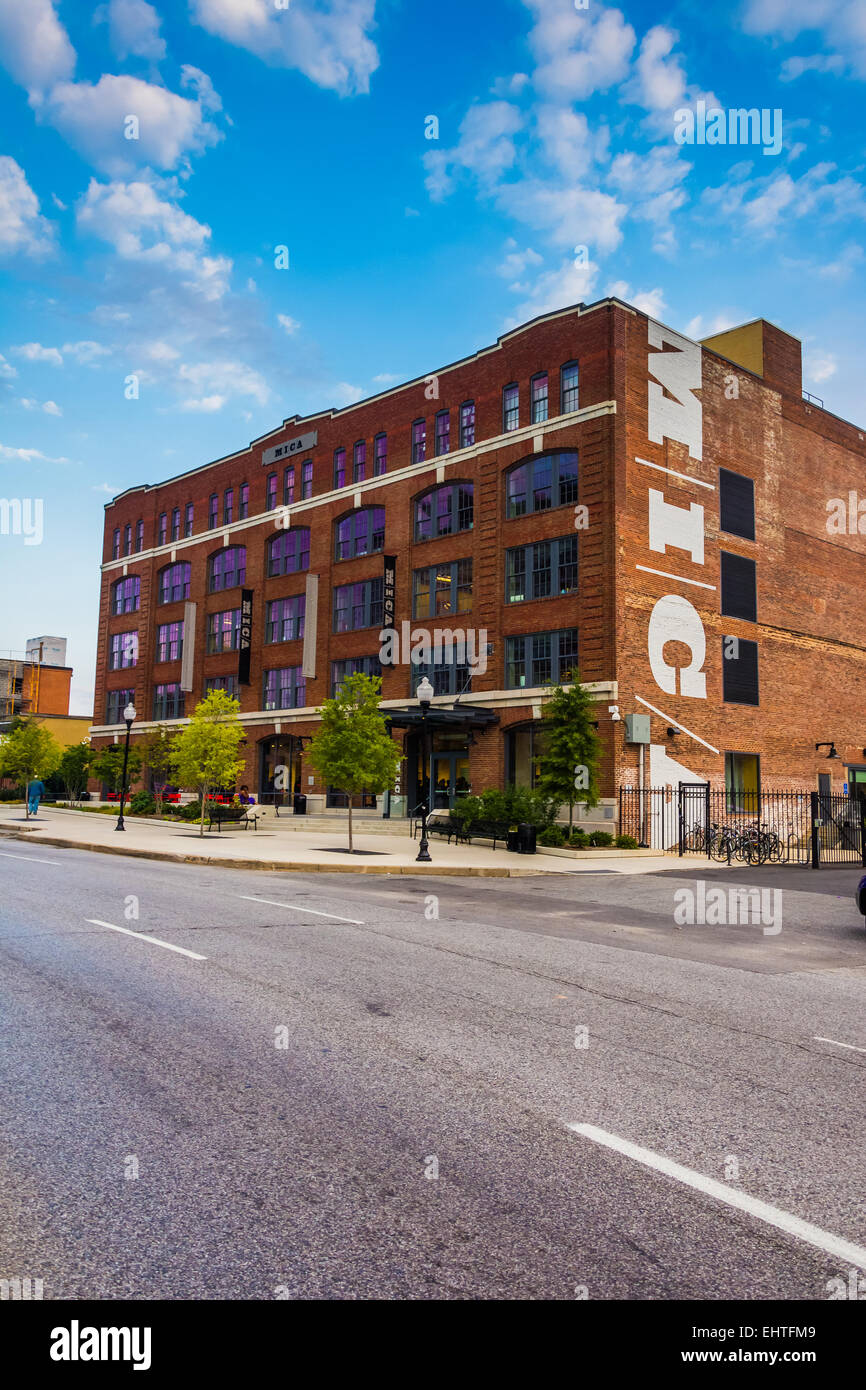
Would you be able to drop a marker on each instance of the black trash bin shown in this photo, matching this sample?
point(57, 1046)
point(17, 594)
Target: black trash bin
point(526, 838)
point(299, 804)
point(512, 840)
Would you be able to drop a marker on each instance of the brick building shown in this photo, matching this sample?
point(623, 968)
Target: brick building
point(593, 490)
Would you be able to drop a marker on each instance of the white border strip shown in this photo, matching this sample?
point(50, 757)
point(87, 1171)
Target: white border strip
point(774, 1216)
point(677, 578)
point(671, 720)
point(674, 474)
point(294, 907)
point(140, 936)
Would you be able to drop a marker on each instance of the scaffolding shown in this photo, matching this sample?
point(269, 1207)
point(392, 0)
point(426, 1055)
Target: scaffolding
point(19, 684)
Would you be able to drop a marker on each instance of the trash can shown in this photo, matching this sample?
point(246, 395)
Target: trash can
point(299, 804)
point(525, 838)
point(512, 839)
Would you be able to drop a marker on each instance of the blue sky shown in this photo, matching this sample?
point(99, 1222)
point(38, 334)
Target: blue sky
point(263, 123)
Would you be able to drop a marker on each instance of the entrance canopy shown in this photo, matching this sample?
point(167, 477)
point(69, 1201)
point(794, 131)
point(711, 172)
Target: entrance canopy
point(442, 717)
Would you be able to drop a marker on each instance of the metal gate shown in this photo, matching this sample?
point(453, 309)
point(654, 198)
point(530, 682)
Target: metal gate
point(755, 827)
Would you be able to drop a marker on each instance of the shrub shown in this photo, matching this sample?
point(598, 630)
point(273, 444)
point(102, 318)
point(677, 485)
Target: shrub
point(626, 842)
point(142, 804)
point(602, 839)
point(552, 837)
point(190, 811)
point(579, 839)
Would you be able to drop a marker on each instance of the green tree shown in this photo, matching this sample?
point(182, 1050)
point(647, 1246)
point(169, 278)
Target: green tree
point(74, 769)
point(352, 749)
point(568, 765)
point(156, 748)
point(27, 753)
point(107, 765)
point(204, 754)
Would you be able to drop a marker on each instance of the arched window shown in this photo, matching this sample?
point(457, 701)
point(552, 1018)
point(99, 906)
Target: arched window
point(360, 532)
point(173, 582)
point(540, 483)
point(227, 568)
point(289, 551)
point(443, 511)
point(126, 595)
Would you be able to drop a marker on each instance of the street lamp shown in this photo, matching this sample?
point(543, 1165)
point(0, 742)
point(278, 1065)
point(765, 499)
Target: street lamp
point(425, 694)
point(128, 715)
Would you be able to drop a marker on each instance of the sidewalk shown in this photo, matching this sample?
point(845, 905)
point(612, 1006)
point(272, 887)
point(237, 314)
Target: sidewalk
point(304, 851)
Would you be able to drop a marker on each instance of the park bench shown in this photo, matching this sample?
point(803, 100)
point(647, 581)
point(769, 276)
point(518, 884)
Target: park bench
point(244, 816)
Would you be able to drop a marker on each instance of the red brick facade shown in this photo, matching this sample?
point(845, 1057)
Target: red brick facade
point(809, 630)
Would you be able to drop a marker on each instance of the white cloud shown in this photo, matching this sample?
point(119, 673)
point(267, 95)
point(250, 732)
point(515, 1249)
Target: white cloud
point(344, 394)
point(822, 368)
point(93, 119)
point(49, 407)
point(35, 352)
point(142, 227)
point(659, 82)
point(8, 451)
point(288, 323)
point(385, 379)
point(650, 302)
point(22, 227)
point(223, 380)
point(759, 204)
point(578, 52)
point(485, 148)
point(86, 351)
point(555, 289)
point(792, 68)
point(847, 260)
point(134, 29)
point(205, 404)
point(327, 40)
point(516, 262)
point(7, 371)
point(160, 351)
point(108, 488)
point(34, 46)
point(839, 22)
point(568, 216)
point(699, 327)
point(206, 94)
point(52, 408)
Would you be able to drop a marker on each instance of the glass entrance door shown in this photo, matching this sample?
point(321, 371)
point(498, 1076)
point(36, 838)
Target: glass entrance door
point(279, 769)
point(450, 778)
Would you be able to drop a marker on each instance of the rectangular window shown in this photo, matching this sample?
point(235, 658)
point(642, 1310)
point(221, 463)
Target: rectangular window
point(739, 587)
point(467, 424)
point(539, 398)
point(359, 462)
point(743, 782)
point(244, 509)
point(115, 544)
point(227, 683)
point(339, 468)
point(510, 408)
point(285, 688)
point(127, 595)
point(213, 511)
point(139, 536)
point(419, 441)
point(443, 432)
point(271, 495)
point(542, 658)
point(307, 479)
point(188, 522)
point(442, 590)
point(168, 701)
point(350, 666)
point(568, 385)
point(451, 674)
point(228, 506)
point(169, 641)
point(358, 605)
point(123, 651)
point(381, 460)
point(289, 485)
point(175, 523)
point(739, 671)
point(115, 704)
point(223, 631)
point(162, 531)
point(127, 540)
point(284, 619)
point(736, 504)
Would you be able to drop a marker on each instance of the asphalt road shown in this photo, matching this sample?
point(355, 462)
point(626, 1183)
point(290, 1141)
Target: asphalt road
point(350, 1097)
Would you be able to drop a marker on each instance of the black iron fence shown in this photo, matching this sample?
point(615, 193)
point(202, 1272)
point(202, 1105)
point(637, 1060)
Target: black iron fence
point(755, 827)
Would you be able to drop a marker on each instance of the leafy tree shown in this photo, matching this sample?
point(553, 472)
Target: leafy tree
point(156, 749)
point(204, 754)
point(352, 749)
point(107, 765)
point(29, 752)
point(74, 769)
point(568, 765)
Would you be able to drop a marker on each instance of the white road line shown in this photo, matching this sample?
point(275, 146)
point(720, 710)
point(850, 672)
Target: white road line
point(774, 1216)
point(850, 1046)
point(31, 858)
point(140, 936)
point(295, 907)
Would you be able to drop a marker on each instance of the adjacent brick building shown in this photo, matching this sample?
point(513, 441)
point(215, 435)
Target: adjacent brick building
point(592, 490)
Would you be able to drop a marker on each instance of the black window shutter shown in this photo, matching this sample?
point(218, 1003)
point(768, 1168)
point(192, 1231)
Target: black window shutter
point(739, 587)
point(739, 671)
point(736, 504)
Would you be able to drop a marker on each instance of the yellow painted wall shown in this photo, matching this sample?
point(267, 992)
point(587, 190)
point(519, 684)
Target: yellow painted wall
point(744, 345)
point(67, 729)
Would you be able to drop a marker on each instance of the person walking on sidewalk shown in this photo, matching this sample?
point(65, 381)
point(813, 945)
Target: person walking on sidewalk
point(35, 793)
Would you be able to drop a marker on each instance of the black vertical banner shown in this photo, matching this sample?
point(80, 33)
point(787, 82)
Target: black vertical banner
point(246, 637)
point(389, 591)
